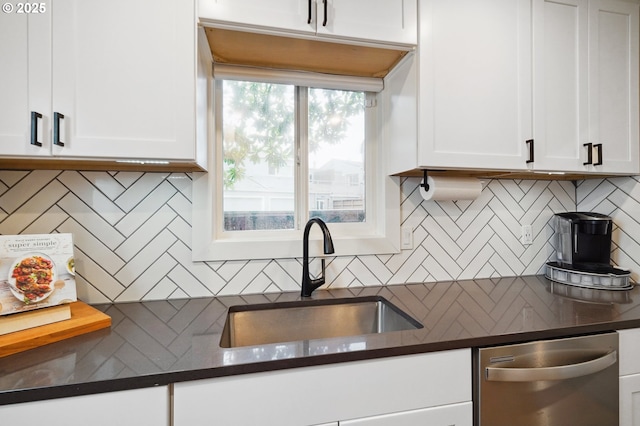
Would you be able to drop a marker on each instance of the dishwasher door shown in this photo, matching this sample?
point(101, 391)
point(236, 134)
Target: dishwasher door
point(572, 381)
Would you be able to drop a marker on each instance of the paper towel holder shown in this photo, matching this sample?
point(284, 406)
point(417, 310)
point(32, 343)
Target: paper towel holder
point(424, 183)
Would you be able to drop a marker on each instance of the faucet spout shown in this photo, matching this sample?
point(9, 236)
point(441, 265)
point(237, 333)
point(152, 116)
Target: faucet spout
point(309, 284)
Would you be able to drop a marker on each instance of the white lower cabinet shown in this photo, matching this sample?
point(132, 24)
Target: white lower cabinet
point(629, 377)
point(630, 400)
point(446, 415)
point(138, 407)
point(432, 388)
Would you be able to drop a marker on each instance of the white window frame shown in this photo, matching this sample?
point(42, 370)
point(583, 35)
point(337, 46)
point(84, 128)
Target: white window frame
point(380, 234)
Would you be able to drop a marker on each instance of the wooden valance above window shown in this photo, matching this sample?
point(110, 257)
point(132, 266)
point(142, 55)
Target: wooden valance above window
point(288, 53)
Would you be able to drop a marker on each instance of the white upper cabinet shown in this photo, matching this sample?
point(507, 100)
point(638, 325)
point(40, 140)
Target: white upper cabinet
point(475, 80)
point(379, 21)
point(480, 106)
point(108, 80)
point(473, 88)
point(613, 85)
point(561, 77)
point(290, 15)
point(25, 82)
point(392, 21)
point(124, 78)
point(586, 87)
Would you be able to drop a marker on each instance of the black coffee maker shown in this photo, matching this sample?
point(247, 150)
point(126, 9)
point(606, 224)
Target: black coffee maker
point(583, 253)
point(584, 241)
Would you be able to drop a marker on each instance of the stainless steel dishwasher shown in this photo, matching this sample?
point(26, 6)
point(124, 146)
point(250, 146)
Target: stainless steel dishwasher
point(563, 382)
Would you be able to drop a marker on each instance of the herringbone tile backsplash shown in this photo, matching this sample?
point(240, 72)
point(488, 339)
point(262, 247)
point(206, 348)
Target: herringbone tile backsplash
point(132, 234)
point(620, 199)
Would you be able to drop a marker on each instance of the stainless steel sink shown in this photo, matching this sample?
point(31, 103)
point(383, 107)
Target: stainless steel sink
point(312, 319)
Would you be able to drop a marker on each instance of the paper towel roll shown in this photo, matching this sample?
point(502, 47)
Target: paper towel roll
point(451, 188)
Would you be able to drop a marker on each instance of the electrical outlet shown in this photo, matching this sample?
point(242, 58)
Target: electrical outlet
point(527, 235)
point(407, 238)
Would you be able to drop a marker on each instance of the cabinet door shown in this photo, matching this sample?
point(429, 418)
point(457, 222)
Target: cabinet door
point(629, 347)
point(288, 15)
point(475, 83)
point(630, 400)
point(393, 21)
point(446, 415)
point(140, 407)
point(124, 78)
point(629, 344)
point(560, 70)
point(613, 83)
point(25, 80)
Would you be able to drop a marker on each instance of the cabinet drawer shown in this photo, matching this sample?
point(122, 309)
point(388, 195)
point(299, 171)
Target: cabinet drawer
point(137, 407)
point(320, 394)
point(445, 415)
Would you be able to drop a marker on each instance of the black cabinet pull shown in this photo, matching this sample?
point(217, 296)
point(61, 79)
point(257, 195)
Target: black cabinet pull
point(324, 22)
point(589, 147)
point(56, 128)
point(598, 147)
point(530, 143)
point(34, 128)
point(309, 18)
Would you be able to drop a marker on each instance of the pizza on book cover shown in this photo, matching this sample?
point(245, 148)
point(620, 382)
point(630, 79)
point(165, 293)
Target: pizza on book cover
point(36, 271)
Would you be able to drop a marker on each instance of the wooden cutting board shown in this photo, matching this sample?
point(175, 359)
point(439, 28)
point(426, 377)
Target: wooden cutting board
point(84, 319)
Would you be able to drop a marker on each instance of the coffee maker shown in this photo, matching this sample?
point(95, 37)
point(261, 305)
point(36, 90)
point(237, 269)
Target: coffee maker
point(583, 252)
point(584, 241)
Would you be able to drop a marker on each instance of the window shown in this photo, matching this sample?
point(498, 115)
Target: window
point(262, 150)
point(284, 153)
point(258, 156)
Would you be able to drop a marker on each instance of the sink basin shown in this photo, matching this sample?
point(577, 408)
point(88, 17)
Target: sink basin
point(312, 319)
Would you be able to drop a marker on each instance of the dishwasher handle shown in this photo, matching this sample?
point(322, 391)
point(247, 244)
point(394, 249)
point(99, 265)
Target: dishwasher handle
point(562, 372)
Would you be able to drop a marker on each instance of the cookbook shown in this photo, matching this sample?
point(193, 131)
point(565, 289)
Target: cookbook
point(36, 271)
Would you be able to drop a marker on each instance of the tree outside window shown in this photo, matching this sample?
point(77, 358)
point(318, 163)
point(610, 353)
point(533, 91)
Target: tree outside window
point(259, 155)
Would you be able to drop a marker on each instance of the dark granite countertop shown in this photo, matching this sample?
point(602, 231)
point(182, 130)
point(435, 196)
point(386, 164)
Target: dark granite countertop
point(162, 342)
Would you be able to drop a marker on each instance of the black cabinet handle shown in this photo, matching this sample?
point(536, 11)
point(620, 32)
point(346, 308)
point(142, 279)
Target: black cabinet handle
point(530, 143)
point(309, 18)
point(56, 128)
point(324, 22)
point(589, 147)
point(598, 147)
point(34, 128)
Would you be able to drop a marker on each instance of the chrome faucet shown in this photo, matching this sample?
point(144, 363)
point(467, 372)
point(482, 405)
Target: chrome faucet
point(309, 284)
